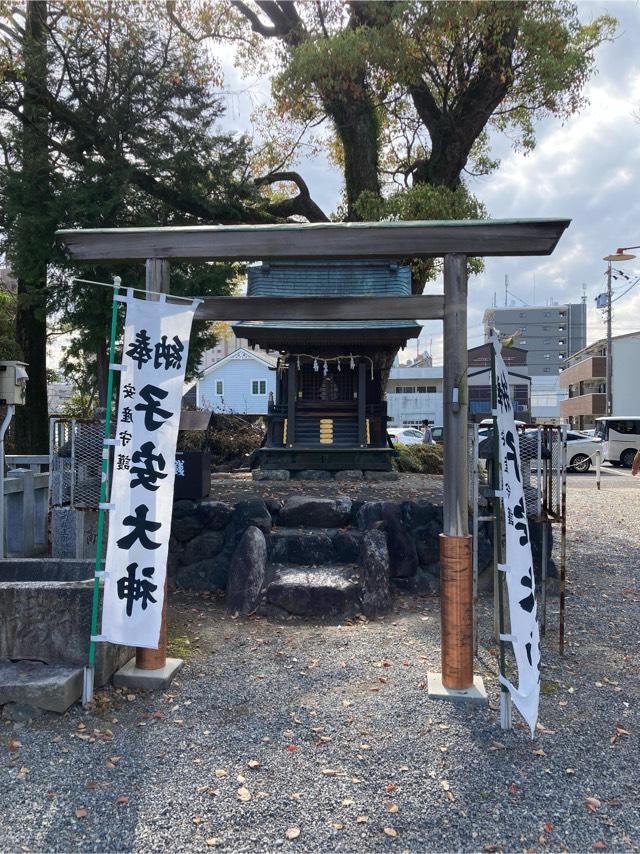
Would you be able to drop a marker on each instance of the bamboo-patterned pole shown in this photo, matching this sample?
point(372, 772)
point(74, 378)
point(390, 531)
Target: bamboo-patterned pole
point(89, 671)
point(505, 697)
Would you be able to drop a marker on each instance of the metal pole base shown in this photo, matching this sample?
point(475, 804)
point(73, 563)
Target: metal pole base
point(505, 710)
point(87, 684)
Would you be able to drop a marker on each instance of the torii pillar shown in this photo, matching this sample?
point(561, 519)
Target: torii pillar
point(456, 681)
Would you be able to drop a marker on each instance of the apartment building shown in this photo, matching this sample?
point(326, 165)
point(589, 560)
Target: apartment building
point(584, 379)
point(550, 334)
point(414, 392)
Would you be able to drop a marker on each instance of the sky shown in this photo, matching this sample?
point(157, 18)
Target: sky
point(587, 170)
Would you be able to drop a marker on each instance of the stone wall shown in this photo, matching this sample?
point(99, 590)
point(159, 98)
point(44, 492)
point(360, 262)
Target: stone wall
point(207, 546)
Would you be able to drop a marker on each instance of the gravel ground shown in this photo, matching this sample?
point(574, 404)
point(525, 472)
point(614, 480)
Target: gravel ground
point(328, 730)
point(409, 487)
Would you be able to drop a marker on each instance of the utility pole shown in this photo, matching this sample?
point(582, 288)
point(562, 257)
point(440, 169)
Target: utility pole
point(619, 255)
point(609, 354)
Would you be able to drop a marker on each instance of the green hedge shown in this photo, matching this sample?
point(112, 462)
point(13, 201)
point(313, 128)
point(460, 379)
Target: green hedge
point(426, 459)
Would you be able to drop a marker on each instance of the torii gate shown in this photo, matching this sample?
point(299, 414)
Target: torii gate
point(453, 240)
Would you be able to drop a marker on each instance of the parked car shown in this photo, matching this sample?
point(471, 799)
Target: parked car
point(405, 435)
point(620, 437)
point(581, 450)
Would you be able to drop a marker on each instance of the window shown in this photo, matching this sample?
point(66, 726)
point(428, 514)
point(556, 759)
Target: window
point(547, 314)
point(546, 370)
point(431, 389)
point(561, 343)
point(406, 389)
point(220, 387)
point(523, 341)
point(626, 427)
point(522, 314)
point(547, 355)
point(258, 386)
point(421, 389)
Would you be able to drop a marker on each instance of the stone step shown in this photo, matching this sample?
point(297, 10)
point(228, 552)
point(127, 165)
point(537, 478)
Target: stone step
point(53, 687)
point(312, 546)
point(324, 591)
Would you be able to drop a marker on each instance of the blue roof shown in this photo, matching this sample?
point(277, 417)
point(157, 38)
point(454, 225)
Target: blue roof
point(333, 279)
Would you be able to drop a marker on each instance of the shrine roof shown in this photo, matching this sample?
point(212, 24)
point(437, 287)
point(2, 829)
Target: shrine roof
point(332, 278)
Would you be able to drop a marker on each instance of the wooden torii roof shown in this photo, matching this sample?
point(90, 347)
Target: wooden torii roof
point(400, 240)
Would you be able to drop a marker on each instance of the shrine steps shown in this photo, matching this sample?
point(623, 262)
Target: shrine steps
point(313, 591)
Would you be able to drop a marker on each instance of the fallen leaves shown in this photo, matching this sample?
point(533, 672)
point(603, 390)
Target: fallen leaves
point(220, 773)
point(253, 764)
point(620, 732)
point(13, 744)
point(292, 832)
point(243, 794)
point(592, 804)
point(121, 800)
point(81, 812)
point(390, 831)
point(22, 773)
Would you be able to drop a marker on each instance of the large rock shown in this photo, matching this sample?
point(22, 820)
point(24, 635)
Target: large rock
point(375, 598)
point(417, 514)
point(207, 574)
point(349, 474)
point(404, 559)
point(312, 474)
point(214, 515)
point(205, 545)
point(32, 683)
point(346, 546)
point(247, 572)
point(251, 511)
point(270, 474)
point(308, 547)
point(185, 527)
point(427, 543)
point(308, 511)
point(323, 592)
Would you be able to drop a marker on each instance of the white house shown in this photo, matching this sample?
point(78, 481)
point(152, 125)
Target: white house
point(414, 392)
point(241, 382)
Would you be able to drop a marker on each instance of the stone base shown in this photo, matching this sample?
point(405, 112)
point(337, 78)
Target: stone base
point(131, 676)
point(475, 695)
point(43, 686)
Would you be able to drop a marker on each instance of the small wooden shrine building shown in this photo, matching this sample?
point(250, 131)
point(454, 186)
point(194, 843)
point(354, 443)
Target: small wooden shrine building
point(329, 411)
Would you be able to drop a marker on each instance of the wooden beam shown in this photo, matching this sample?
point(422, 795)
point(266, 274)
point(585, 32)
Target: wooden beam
point(429, 307)
point(362, 403)
point(401, 240)
point(292, 398)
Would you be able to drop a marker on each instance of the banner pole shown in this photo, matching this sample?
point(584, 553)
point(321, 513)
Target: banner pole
point(157, 272)
point(89, 670)
point(505, 696)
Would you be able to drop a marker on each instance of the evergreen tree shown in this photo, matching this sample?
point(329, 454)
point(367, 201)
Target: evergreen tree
point(109, 119)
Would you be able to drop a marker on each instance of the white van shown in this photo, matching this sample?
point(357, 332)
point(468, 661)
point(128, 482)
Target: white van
point(620, 435)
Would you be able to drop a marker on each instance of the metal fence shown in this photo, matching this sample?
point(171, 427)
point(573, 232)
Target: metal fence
point(75, 462)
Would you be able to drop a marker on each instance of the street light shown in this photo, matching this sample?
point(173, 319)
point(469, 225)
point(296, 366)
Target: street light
point(619, 255)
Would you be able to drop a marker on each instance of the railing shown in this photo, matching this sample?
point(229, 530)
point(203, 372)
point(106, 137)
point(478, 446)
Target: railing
point(26, 506)
point(34, 462)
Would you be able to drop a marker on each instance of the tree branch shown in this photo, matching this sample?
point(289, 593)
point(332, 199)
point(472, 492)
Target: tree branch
point(300, 205)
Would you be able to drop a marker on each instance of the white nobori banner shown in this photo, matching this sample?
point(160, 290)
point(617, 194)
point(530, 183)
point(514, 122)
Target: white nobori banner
point(154, 356)
point(518, 566)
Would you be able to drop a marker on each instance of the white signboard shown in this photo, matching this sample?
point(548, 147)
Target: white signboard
point(518, 566)
point(156, 345)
